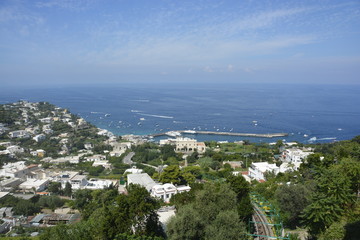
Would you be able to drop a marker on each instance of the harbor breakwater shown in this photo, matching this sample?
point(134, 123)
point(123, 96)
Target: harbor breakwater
point(260, 135)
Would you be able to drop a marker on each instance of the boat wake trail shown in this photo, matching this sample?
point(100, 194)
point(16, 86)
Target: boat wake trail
point(153, 115)
point(313, 139)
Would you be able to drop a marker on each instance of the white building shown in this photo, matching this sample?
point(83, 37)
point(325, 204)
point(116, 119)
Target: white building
point(71, 159)
point(88, 146)
point(38, 153)
point(47, 129)
point(34, 184)
point(3, 129)
point(46, 120)
point(133, 170)
point(19, 134)
point(119, 148)
point(99, 183)
point(295, 155)
point(78, 181)
point(167, 190)
point(95, 158)
point(103, 163)
point(164, 192)
point(39, 137)
point(143, 179)
point(258, 170)
point(5, 144)
point(104, 132)
point(17, 169)
point(32, 130)
point(14, 149)
point(10, 184)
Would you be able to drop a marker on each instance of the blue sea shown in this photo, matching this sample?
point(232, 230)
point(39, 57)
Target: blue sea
point(317, 113)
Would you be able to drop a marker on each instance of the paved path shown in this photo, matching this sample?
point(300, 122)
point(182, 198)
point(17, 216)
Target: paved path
point(150, 166)
point(127, 158)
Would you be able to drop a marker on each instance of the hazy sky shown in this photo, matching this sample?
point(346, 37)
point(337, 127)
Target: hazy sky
point(79, 41)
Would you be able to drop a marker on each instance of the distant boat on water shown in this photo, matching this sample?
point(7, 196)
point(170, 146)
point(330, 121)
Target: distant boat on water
point(189, 131)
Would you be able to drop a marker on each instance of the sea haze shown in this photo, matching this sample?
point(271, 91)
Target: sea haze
point(321, 113)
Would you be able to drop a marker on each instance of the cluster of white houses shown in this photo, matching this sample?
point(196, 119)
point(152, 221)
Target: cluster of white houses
point(291, 161)
point(32, 178)
point(158, 190)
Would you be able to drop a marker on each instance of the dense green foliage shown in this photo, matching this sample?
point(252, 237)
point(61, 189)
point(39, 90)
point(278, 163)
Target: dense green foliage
point(323, 196)
point(31, 206)
point(108, 215)
point(208, 213)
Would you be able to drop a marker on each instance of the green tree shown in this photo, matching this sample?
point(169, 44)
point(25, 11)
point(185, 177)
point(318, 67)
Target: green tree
point(242, 189)
point(51, 202)
point(211, 214)
point(81, 230)
point(321, 213)
point(336, 231)
point(142, 212)
point(55, 187)
point(292, 200)
point(226, 226)
point(68, 189)
point(171, 174)
point(193, 157)
point(167, 151)
point(186, 225)
point(82, 198)
point(26, 207)
point(205, 162)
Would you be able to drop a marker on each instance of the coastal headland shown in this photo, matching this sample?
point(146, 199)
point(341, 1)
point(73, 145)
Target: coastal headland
point(178, 133)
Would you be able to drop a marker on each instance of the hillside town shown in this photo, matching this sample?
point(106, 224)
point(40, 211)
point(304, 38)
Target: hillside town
point(50, 158)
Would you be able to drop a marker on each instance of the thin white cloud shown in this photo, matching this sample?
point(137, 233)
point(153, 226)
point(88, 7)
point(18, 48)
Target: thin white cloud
point(175, 52)
point(182, 35)
point(264, 19)
point(15, 14)
point(66, 4)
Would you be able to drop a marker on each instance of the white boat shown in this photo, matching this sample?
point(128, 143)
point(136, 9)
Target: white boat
point(142, 119)
point(173, 134)
point(190, 131)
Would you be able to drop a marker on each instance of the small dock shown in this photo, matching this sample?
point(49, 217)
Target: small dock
point(259, 135)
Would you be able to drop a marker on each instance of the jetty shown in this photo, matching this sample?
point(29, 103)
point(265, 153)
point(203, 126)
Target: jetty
point(259, 135)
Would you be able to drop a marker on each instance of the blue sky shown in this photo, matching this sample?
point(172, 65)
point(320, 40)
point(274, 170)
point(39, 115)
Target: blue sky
point(111, 41)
